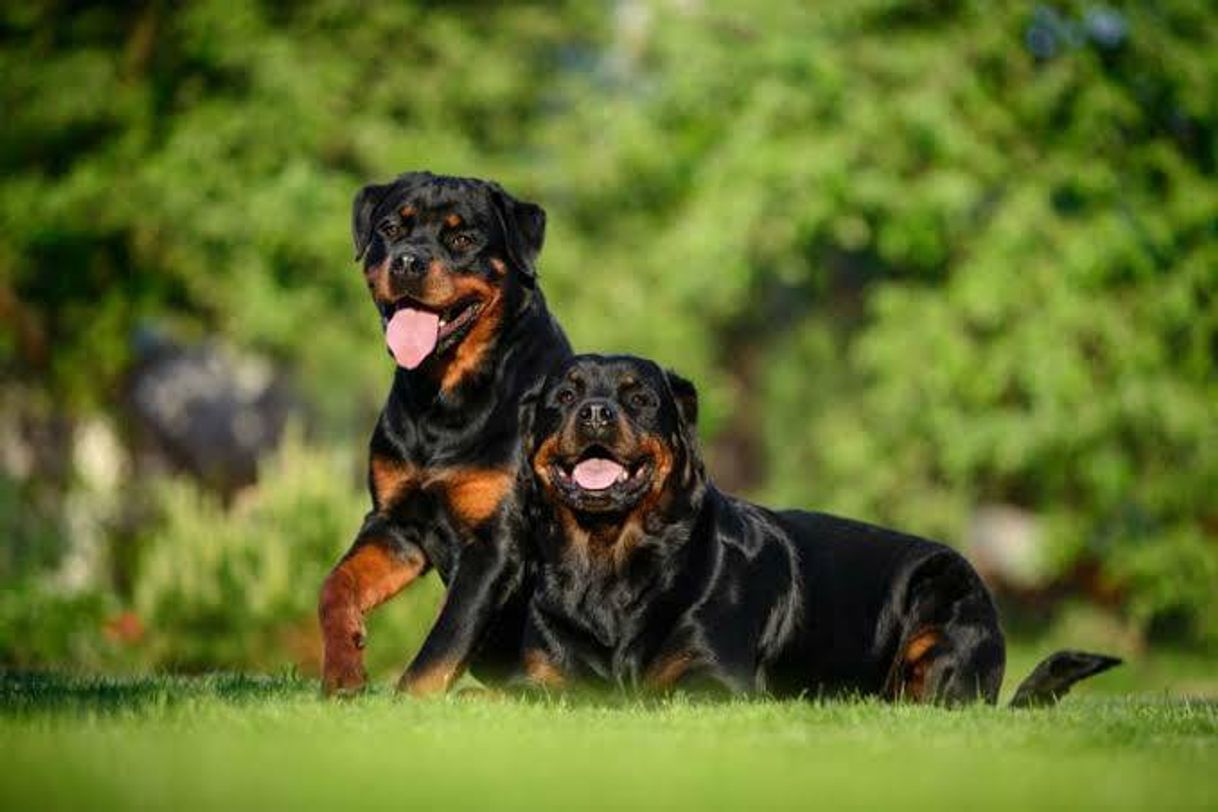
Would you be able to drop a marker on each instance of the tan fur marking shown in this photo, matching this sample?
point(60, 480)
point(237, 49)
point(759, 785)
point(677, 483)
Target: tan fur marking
point(435, 290)
point(541, 670)
point(367, 577)
point(920, 644)
point(378, 574)
point(543, 458)
point(471, 494)
point(475, 494)
point(378, 282)
point(662, 458)
point(391, 480)
point(668, 669)
point(470, 352)
point(917, 658)
point(434, 680)
point(453, 220)
point(439, 288)
point(609, 548)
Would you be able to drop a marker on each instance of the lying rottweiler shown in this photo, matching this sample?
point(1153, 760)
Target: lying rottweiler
point(652, 578)
point(450, 264)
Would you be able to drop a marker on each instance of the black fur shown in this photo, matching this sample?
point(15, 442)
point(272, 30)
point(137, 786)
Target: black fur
point(1057, 674)
point(449, 428)
point(670, 583)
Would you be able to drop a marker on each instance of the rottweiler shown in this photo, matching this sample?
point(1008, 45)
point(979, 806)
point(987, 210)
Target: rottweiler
point(650, 578)
point(450, 263)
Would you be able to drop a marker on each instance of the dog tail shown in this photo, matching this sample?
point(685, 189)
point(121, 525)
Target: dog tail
point(1056, 675)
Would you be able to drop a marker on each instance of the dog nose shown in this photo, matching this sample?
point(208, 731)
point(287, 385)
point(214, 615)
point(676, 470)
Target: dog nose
point(407, 265)
point(596, 415)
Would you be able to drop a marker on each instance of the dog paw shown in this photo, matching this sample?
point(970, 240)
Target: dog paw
point(343, 672)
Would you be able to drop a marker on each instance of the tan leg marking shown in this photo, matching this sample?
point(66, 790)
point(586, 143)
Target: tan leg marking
point(366, 578)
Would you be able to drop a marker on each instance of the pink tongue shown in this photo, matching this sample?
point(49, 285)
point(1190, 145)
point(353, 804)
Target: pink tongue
point(411, 336)
point(597, 474)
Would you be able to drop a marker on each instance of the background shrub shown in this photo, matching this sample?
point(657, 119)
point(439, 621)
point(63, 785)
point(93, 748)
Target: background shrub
point(921, 258)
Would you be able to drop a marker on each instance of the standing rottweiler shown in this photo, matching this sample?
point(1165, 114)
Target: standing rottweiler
point(652, 578)
point(450, 264)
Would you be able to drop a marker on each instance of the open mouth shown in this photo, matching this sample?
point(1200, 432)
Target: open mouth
point(457, 318)
point(599, 479)
point(414, 330)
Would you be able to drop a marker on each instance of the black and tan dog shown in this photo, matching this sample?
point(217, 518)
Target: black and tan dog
point(652, 578)
point(450, 264)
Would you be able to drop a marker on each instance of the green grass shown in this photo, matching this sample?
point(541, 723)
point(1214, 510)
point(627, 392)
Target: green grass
point(230, 742)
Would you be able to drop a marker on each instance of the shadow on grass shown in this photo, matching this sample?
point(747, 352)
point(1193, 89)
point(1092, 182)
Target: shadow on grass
point(27, 692)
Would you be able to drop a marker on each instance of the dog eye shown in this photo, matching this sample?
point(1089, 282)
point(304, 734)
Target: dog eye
point(391, 230)
point(566, 397)
point(640, 400)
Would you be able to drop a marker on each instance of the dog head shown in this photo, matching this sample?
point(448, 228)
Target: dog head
point(612, 438)
point(447, 260)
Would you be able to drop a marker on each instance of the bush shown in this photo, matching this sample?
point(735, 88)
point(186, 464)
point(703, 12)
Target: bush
point(43, 626)
point(238, 588)
point(918, 256)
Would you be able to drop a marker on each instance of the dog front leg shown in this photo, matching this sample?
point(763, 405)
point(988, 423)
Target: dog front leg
point(482, 580)
point(379, 565)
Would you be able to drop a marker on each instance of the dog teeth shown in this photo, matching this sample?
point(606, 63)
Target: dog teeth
point(621, 477)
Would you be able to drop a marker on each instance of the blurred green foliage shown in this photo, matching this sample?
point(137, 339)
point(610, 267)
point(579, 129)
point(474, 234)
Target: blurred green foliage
point(919, 256)
point(238, 588)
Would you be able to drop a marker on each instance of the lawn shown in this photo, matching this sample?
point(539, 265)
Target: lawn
point(226, 742)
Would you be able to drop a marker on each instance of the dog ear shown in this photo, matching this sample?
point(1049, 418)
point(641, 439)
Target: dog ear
point(685, 395)
point(524, 229)
point(527, 413)
point(362, 209)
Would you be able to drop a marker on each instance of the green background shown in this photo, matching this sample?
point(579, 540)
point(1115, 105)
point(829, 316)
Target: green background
point(921, 258)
